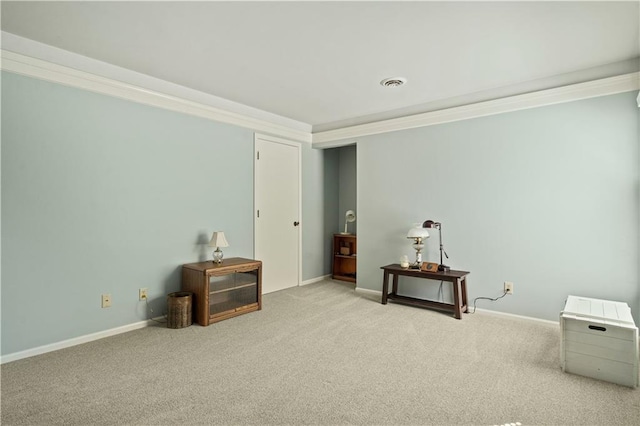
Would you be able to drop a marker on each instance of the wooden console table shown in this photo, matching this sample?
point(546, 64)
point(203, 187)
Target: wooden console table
point(457, 278)
point(223, 290)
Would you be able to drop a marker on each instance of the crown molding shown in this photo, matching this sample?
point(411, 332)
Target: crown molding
point(573, 92)
point(48, 71)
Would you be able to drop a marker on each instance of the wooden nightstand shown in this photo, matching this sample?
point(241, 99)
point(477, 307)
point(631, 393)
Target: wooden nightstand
point(225, 290)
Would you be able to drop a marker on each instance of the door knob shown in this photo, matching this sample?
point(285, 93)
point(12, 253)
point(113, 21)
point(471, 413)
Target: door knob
point(296, 223)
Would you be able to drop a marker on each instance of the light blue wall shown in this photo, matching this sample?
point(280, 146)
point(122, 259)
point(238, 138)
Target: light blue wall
point(319, 203)
point(348, 184)
point(341, 163)
point(101, 195)
point(546, 198)
point(331, 197)
point(1, 78)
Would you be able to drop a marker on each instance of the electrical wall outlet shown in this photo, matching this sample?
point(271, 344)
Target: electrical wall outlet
point(142, 294)
point(508, 287)
point(106, 300)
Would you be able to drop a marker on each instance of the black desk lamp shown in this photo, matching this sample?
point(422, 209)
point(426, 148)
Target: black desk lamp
point(431, 224)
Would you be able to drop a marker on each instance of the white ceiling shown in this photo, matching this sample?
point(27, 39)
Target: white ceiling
point(320, 63)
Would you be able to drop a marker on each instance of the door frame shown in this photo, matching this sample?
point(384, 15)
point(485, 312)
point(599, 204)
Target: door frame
point(298, 147)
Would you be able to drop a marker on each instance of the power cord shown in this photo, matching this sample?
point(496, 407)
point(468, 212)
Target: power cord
point(150, 313)
point(486, 298)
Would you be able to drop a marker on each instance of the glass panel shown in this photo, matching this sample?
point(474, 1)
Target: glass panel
point(233, 291)
point(222, 283)
point(233, 299)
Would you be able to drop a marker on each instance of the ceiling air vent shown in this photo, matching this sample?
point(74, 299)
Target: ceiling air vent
point(393, 82)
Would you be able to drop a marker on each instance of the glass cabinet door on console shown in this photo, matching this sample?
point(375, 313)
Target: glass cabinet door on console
point(232, 292)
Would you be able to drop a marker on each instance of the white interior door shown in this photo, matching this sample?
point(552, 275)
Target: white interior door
point(277, 215)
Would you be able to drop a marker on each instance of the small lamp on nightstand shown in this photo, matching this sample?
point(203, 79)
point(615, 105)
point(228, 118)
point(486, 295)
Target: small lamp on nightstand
point(218, 240)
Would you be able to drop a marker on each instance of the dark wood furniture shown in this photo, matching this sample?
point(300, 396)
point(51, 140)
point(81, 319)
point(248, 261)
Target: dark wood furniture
point(223, 290)
point(345, 249)
point(457, 278)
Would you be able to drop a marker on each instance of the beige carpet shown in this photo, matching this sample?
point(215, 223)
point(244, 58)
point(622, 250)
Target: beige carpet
point(318, 354)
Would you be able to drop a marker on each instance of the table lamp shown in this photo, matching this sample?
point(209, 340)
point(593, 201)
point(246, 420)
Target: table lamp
point(432, 224)
point(350, 216)
point(218, 240)
point(417, 234)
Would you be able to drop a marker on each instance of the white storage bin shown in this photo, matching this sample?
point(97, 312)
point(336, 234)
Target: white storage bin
point(599, 340)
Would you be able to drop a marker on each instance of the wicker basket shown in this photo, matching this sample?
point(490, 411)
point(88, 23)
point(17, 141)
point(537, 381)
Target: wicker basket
point(179, 309)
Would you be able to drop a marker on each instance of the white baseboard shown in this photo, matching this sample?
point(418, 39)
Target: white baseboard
point(315, 280)
point(369, 291)
point(490, 312)
point(142, 324)
point(75, 341)
point(484, 311)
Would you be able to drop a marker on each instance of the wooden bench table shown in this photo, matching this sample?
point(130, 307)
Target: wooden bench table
point(458, 280)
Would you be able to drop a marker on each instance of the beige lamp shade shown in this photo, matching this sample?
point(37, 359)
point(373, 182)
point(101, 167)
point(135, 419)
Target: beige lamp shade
point(218, 240)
